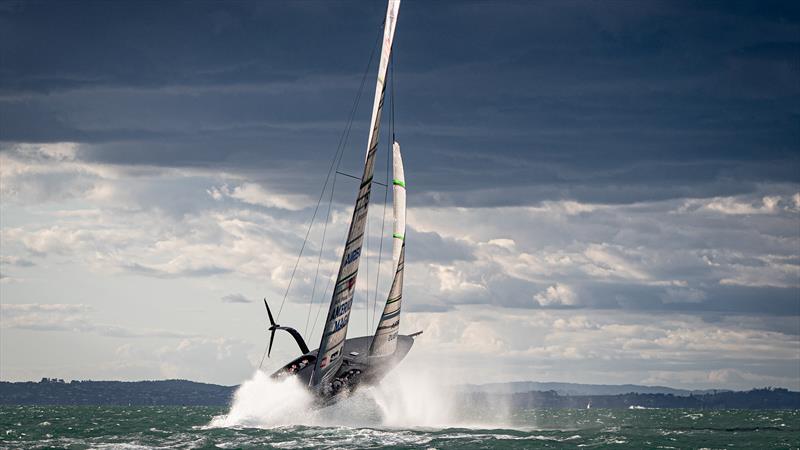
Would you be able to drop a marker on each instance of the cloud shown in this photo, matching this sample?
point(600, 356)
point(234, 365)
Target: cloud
point(76, 318)
point(57, 308)
point(770, 204)
point(557, 295)
point(683, 295)
point(614, 261)
point(622, 256)
point(550, 181)
point(192, 358)
point(235, 298)
point(568, 346)
point(178, 267)
point(645, 256)
point(712, 379)
point(254, 194)
point(453, 282)
point(16, 261)
point(429, 246)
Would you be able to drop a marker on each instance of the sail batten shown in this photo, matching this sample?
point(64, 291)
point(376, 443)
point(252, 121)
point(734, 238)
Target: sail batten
point(385, 340)
point(329, 357)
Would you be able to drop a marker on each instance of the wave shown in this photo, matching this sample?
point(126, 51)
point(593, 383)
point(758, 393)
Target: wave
point(406, 399)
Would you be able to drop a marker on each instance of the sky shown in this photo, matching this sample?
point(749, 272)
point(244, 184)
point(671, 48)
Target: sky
point(599, 192)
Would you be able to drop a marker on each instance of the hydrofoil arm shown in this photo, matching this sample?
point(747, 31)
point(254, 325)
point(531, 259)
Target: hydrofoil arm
point(274, 327)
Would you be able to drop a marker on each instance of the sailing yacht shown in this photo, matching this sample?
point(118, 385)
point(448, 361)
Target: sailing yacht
point(340, 365)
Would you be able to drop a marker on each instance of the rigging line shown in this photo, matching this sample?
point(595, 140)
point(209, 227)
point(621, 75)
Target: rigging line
point(305, 240)
point(262, 358)
point(319, 309)
point(330, 277)
point(391, 92)
point(342, 144)
point(359, 179)
point(339, 154)
point(367, 323)
point(385, 196)
point(383, 230)
point(327, 178)
point(322, 246)
point(319, 259)
point(333, 274)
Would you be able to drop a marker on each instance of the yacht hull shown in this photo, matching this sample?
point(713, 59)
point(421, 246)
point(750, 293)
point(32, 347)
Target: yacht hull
point(357, 369)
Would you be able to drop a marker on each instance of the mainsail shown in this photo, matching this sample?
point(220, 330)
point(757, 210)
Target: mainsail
point(385, 340)
point(329, 356)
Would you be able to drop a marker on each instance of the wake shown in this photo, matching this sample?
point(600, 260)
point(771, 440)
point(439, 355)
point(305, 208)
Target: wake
point(405, 399)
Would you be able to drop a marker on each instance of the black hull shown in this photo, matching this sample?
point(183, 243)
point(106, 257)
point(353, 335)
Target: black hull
point(357, 369)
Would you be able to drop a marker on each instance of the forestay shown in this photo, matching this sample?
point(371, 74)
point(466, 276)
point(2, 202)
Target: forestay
point(330, 349)
point(385, 341)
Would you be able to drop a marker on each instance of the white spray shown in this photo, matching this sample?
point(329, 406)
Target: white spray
point(265, 403)
point(406, 399)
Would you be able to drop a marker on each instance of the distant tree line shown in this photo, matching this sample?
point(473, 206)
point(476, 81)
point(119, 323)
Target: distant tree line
point(165, 392)
point(766, 398)
point(52, 391)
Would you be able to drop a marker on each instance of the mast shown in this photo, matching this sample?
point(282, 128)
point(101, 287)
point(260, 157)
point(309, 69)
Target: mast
point(329, 357)
point(385, 341)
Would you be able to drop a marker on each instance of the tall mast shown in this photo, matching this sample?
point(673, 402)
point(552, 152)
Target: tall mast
point(329, 357)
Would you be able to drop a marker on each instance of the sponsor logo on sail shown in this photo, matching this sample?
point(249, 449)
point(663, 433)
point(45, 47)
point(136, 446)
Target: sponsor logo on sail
point(352, 256)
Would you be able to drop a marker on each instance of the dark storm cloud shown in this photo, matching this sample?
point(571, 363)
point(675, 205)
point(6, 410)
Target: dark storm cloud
point(498, 103)
point(431, 247)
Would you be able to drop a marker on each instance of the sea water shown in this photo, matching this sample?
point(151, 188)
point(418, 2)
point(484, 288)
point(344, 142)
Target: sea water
point(83, 427)
point(412, 413)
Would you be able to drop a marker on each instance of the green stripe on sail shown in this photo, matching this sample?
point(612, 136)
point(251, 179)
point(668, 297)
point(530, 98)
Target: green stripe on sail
point(398, 236)
point(399, 183)
point(392, 300)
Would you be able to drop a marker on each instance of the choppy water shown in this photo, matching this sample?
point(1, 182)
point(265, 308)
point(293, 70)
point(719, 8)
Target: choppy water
point(410, 410)
point(80, 427)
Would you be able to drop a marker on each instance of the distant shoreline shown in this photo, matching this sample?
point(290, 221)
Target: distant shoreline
point(520, 395)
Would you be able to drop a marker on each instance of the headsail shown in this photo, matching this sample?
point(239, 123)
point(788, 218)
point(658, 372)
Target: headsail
point(329, 357)
point(385, 340)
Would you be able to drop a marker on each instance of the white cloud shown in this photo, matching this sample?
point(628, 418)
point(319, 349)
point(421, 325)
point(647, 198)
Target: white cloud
point(768, 204)
point(70, 318)
point(557, 295)
point(193, 359)
point(560, 345)
point(614, 261)
point(255, 194)
point(507, 244)
point(115, 222)
point(24, 308)
point(452, 280)
point(763, 271)
point(36, 316)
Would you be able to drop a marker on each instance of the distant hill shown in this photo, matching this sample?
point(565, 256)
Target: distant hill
point(579, 389)
point(520, 395)
point(767, 398)
point(163, 392)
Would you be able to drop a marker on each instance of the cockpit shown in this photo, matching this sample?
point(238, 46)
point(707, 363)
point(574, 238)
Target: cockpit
point(304, 364)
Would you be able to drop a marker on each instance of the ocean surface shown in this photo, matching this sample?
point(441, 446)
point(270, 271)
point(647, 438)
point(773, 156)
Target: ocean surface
point(83, 427)
point(410, 409)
